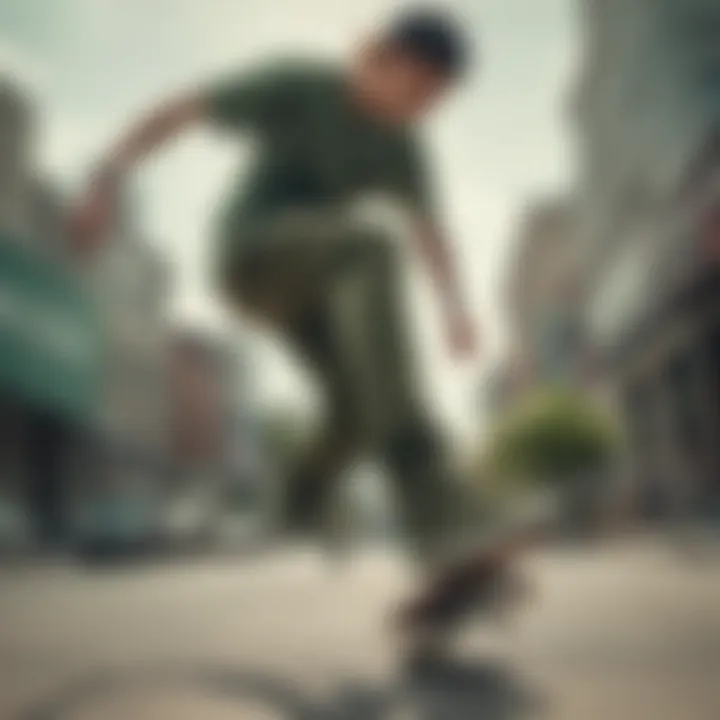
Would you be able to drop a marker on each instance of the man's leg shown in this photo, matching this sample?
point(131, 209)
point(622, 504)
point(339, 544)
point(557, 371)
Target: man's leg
point(357, 337)
point(356, 273)
point(373, 331)
point(312, 483)
point(282, 282)
point(366, 295)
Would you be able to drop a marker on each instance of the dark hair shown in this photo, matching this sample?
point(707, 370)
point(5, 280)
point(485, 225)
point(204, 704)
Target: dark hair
point(432, 36)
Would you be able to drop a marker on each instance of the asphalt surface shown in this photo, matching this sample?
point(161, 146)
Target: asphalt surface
point(627, 632)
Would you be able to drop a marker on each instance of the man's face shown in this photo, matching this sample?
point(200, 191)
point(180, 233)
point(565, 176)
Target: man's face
point(398, 87)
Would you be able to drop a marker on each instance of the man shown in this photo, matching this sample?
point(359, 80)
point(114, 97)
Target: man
point(292, 254)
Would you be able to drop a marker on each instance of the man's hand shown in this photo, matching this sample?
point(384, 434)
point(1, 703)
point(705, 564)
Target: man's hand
point(460, 330)
point(461, 335)
point(92, 219)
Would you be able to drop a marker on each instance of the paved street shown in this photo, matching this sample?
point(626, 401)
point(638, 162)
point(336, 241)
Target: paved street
point(627, 632)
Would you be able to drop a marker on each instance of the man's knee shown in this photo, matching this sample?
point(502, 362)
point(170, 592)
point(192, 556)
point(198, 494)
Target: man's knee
point(374, 248)
point(414, 456)
point(410, 444)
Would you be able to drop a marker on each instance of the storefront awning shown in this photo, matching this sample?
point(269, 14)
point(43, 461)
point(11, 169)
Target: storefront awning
point(49, 335)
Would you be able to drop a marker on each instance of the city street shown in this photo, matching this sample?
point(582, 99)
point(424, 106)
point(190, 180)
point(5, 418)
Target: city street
point(627, 632)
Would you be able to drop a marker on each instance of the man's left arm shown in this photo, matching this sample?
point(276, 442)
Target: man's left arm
point(440, 260)
point(431, 240)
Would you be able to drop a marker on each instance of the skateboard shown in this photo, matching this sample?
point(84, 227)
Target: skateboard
point(489, 586)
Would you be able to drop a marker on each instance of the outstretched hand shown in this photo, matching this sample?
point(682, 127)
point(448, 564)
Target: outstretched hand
point(462, 336)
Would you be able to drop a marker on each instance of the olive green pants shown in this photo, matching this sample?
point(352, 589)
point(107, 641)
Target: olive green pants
point(334, 288)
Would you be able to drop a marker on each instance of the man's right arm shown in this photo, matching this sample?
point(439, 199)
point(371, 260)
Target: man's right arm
point(165, 123)
point(94, 216)
point(247, 101)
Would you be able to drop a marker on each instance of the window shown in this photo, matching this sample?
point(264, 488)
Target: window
point(622, 292)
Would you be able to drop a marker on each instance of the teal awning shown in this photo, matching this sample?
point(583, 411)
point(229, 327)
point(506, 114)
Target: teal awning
point(49, 334)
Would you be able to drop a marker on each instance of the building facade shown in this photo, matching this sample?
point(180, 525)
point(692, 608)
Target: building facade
point(125, 461)
point(48, 338)
point(17, 141)
point(222, 482)
point(647, 115)
point(542, 304)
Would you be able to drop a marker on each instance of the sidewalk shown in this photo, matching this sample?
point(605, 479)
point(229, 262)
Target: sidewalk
point(629, 631)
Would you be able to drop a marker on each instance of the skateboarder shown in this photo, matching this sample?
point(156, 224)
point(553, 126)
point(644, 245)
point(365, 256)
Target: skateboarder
point(291, 253)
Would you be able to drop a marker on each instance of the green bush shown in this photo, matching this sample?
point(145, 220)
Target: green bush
point(555, 437)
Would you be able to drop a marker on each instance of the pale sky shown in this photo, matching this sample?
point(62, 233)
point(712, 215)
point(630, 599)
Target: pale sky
point(93, 64)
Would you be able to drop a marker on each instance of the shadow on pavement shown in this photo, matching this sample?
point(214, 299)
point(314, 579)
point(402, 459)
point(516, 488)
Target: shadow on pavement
point(458, 691)
point(471, 690)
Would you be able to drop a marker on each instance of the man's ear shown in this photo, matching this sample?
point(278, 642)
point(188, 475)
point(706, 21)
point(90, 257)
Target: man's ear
point(372, 51)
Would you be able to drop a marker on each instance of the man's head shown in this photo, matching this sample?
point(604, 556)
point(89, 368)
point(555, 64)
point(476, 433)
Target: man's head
point(403, 71)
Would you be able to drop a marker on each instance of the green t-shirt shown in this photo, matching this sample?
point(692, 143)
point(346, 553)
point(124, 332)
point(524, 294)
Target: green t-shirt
point(313, 146)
